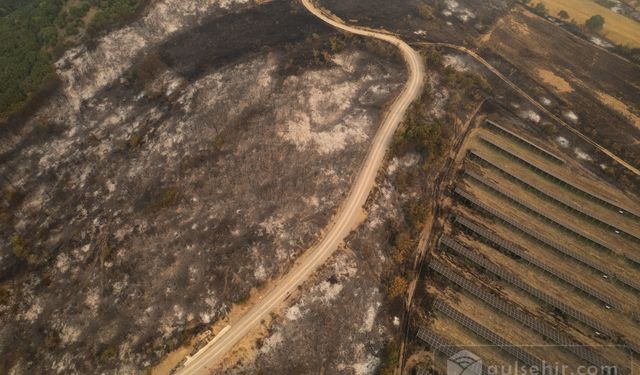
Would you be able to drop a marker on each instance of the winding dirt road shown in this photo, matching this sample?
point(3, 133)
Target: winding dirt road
point(346, 218)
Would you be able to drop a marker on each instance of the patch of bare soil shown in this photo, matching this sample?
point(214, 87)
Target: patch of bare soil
point(619, 107)
point(550, 78)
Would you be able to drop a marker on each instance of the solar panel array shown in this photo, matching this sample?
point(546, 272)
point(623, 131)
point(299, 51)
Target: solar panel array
point(554, 245)
point(437, 342)
point(523, 141)
point(602, 201)
point(487, 334)
point(574, 231)
point(508, 246)
point(522, 285)
point(551, 197)
point(518, 315)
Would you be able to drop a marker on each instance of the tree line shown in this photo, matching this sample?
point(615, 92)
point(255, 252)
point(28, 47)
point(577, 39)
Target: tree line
point(34, 33)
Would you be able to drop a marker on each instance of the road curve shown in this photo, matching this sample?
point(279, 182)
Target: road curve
point(346, 216)
point(538, 105)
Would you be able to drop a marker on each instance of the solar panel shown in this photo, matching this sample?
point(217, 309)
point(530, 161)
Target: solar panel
point(541, 151)
point(597, 266)
point(541, 239)
point(602, 201)
point(531, 209)
point(552, 197)
point(487, 334)
point(438, 343)
point(513, 249)
point(520, 284)
point(526, 319)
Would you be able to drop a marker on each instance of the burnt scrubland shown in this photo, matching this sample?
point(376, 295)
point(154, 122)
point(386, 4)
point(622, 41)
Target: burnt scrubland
point(158, 186)
point(352, 311)
point(187, 158)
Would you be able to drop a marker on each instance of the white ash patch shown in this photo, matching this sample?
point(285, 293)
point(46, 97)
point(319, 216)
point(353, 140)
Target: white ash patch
point(406, 161)
point(325, 291)
point(69, 334)
point(370, 318)
point(563, 142)
point(545, 101)
point(396, 321)
point(571, 116)
point(92, 301)
point(62, 262)
point(347, 60)
point(582, 155)
point(300, 133)
point(456, 62)
point(312, 201)
point(33, 312)
point(420, 33)
point(440, 99)
point(293, 313)
point(366, 363)
point(600, 42)
point(86, 71)
point(465, 15)
point(273, 226)
point(447, 13)
point(272, 342)
point(64, 364)
point(260, 273)
point(531, 115)
point(451, 4)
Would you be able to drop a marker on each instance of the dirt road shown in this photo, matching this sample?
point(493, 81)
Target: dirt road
point(347, 216)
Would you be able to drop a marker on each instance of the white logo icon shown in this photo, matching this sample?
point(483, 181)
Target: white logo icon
point(464, 362)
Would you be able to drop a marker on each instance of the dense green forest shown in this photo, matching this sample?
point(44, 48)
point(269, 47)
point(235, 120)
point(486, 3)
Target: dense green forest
point(33, 33)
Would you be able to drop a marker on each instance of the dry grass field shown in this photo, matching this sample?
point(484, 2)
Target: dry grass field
point(617, 27)
point(537, 259)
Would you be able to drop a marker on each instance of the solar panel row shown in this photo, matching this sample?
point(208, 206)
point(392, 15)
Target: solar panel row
point(556, 246)
point(525, 287)
point(520, 316)
point(510, 247)
point(487, 334)
point(552, 197)
point(600, 200)
point(597, 266)
point(502, 130)
point(437, 342)
point(540, 214)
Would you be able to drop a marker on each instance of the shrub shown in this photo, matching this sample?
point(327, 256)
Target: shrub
point(391, 358)
point(397, 287)
point(595, 23)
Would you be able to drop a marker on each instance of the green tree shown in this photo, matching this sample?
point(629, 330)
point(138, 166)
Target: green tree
point(563, 14)
point(595, 23)
point(540, 9)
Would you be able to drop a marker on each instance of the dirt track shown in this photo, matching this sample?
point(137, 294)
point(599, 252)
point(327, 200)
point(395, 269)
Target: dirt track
point(346, 218)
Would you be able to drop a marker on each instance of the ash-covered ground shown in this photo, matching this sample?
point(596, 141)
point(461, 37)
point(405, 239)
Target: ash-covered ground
point(348, 318)
point(189, 158)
